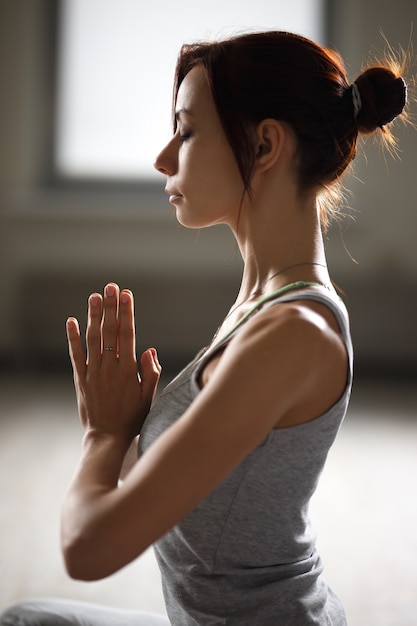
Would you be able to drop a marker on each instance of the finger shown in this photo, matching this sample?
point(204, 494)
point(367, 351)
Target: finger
point(76, 350)
point(93, 334)
point(151, 370)
point(127, 346)
point(109, 330)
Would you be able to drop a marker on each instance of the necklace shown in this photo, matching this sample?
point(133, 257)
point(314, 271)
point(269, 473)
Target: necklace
point(259, 290)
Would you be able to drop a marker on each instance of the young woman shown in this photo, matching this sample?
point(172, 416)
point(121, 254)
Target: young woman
point(231, 452)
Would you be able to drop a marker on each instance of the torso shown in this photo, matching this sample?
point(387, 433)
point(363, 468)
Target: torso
point(214, 568)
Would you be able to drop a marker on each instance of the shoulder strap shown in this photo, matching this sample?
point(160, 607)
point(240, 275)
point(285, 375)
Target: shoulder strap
point(272, 296)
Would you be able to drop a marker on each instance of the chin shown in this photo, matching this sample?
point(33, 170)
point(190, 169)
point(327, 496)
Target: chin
point(191, 221)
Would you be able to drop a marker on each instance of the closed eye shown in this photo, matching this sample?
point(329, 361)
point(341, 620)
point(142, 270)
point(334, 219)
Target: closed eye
point(185, 136)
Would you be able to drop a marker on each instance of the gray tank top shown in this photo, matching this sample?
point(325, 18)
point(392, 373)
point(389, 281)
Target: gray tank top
point(246, 556)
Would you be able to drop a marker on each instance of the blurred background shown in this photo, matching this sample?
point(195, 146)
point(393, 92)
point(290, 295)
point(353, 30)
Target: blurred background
point(84, 109)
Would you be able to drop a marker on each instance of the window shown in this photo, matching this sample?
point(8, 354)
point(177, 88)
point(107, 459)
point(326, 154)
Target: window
point(116, 66)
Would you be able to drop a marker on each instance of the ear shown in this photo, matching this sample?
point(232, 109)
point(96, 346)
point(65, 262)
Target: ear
point(270, 140)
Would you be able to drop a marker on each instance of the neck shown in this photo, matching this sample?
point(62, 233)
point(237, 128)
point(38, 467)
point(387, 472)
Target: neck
point(280, 249)
point(255, 298)
point(308, 266)
point(279, 245)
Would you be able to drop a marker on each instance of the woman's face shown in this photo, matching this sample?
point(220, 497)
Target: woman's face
point(203, 179)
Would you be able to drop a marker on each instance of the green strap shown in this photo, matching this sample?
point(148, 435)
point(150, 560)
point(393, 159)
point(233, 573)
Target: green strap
point(276, 294)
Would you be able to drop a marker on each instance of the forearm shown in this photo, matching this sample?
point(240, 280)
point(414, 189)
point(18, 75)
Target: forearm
point(130, 459)
point(86, 505)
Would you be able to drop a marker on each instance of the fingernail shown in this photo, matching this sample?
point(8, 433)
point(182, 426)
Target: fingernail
point(71, 323)
point(110, 290)
point(94, 300)
point(124, 297)
point(154, 354)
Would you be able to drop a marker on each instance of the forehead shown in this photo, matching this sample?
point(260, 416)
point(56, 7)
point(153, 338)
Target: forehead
point(194, 92)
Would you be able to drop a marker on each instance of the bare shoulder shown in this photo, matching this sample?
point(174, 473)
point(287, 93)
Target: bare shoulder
point(308, 316)
point(294, 352)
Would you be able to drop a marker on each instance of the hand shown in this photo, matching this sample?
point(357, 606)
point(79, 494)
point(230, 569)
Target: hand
point(113, 399)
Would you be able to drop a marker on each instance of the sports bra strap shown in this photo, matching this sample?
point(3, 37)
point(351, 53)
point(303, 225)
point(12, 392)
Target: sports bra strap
point(276, 294)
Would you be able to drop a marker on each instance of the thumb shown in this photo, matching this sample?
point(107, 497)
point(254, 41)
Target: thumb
point(150, 373)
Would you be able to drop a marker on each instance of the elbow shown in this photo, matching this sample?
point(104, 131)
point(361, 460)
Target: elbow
point(93, 547)
point(80, 549)
point(89, 558)
point(78, 563)
point(77, 571)
point(83, 559)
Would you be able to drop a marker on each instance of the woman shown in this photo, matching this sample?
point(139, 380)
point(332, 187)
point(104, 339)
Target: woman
point(230, 454)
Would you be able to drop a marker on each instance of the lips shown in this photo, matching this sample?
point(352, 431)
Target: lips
point(173, 196)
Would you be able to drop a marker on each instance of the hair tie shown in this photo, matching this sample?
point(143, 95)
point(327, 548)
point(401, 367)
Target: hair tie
point(356, 100)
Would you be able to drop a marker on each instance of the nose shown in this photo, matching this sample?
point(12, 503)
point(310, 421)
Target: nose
point(166, 161)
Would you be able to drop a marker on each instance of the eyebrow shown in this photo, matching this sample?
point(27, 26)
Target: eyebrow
point(181, 111)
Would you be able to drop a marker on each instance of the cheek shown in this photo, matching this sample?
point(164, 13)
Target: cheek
point(230, 180)
point(211, 170)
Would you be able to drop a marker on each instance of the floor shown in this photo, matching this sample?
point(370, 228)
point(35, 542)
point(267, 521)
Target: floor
point(365, 510)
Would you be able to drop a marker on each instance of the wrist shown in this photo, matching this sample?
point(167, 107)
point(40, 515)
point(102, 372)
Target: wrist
point(110, 446)
point(102, 457)
point(95, 437)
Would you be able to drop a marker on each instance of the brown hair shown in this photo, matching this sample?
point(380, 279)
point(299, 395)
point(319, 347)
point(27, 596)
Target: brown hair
point(287, 77)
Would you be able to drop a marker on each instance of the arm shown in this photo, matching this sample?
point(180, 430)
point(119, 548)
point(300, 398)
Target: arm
point(130, 459)
point(105, 527)
point(113, 401)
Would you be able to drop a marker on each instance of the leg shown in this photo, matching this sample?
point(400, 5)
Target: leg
point(48, 612)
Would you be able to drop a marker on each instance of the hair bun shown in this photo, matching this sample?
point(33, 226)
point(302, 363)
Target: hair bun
point(383, 97)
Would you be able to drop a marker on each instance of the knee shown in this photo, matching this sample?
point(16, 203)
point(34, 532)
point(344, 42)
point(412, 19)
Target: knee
point(11, 616)
point(28, 613)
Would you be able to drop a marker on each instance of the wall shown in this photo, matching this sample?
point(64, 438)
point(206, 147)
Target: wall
point(59, 244)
